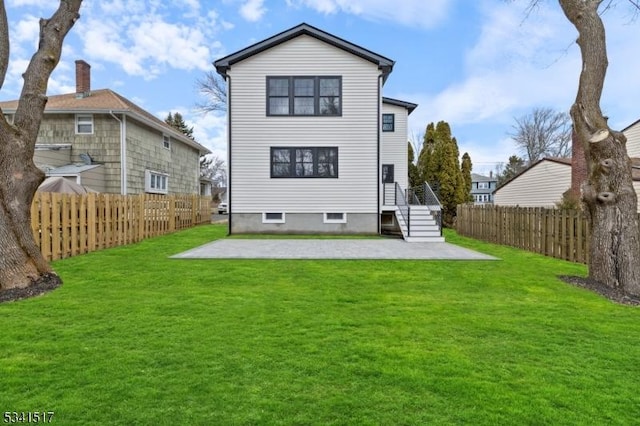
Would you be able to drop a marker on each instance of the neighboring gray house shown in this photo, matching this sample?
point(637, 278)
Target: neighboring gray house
point(313, 147)
point(542, 184)
point(104, 141)
point(482, 188)
point(632, 133)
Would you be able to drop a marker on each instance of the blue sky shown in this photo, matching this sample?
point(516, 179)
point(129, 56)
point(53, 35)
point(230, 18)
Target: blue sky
point(476, 64)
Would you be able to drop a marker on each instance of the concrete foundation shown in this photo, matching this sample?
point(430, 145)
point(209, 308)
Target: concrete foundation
point(305, 223)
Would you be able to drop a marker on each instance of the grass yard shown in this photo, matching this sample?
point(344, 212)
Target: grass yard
point(135, 338)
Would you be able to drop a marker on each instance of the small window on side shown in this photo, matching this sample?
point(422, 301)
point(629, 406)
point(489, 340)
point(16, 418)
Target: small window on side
point(84, 124)
point(156, 182)
point(335, 217)
point(273, 217)
point(388, 122)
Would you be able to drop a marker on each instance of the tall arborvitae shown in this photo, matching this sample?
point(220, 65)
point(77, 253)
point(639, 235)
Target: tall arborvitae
point(467, 166)
point(427, 164)
point(448, 174)
point(414, 173)
point(439, 166)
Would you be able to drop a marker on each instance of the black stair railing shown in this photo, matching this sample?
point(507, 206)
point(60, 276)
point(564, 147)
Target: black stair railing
point(403, 206)
point(423, 195)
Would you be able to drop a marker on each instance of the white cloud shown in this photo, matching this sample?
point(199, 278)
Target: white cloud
point(485, 158)
point(38, 3)
point(144, 45)
point(26, 30)
point(208, 129)
point(414, 13)
point(253, 10)
point(517, 64)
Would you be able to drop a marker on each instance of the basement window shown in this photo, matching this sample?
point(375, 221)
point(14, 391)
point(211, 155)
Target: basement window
point(270, 217)
point(335, 218)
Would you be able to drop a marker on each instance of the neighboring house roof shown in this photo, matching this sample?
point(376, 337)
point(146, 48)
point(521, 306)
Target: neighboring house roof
point(630, 125)
point(559, 160)
point(635, 168)
point(384, 64)
point(72, 169)
point(408, 105)
point(481, 178)
point(106, 101)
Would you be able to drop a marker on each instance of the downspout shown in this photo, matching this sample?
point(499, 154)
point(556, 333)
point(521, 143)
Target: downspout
point(229, 203)
point(378, 153)
point(123, 153)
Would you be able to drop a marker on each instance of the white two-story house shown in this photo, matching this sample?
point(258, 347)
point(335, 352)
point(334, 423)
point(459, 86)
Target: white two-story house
point(313, 146)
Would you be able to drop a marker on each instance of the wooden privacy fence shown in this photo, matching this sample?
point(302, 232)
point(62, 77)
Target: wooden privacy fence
point(563, 234)
point(66, 225)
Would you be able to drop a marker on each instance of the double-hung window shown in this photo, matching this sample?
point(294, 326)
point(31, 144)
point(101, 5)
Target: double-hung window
point(304, 96)
point(304, 162)
point(388, 122)
point(84, 124)
point(156, 182)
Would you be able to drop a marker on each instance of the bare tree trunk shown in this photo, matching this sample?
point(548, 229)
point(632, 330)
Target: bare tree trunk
point(21, 263)
point(608, 193)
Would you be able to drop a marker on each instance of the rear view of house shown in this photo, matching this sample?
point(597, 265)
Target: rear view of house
point(311, 138)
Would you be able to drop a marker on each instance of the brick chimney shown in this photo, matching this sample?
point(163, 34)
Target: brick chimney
point(83, 79)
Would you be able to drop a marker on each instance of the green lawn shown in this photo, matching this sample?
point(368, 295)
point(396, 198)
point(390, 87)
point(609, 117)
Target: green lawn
point(133, 337)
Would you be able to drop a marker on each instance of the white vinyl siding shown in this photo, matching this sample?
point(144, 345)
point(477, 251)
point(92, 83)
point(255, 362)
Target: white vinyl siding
point(253, 132)
point(633, 140)
point(540, 186)
point(394, 144)
point(636, 187)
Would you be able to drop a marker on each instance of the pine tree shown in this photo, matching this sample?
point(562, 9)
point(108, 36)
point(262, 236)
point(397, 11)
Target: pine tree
point(177, 122)
point(513, 167)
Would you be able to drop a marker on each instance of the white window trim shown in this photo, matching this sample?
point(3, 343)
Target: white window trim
point(85, 123)
point(265, 220)
point(147, 182)
point(327, 220)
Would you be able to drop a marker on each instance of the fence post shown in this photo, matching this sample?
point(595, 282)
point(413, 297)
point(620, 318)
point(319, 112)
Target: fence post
point(91, 222)
point(172, 212)
point(194, 210)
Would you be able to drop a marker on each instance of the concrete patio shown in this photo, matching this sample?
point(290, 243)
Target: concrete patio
point(329, 249)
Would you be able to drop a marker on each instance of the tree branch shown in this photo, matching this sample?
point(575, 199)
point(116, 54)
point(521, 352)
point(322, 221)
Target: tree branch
point(33, 97)
point(214, 91)
point(4, 43)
